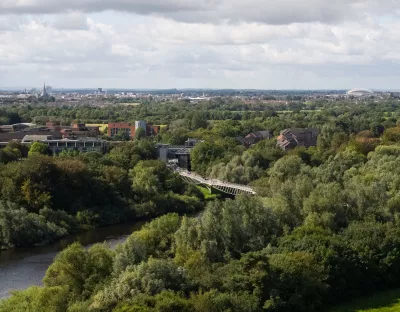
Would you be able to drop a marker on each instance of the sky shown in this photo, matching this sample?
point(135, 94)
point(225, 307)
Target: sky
point(239, 44)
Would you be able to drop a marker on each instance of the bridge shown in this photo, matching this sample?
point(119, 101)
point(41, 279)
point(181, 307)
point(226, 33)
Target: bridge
point(228, 188)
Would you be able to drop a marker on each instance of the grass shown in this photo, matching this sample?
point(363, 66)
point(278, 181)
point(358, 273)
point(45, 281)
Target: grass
point(130, 104)
point(388, 301)
point(206, 193)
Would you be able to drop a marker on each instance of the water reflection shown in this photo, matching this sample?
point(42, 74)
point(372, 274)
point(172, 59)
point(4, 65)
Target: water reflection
point(24, 267)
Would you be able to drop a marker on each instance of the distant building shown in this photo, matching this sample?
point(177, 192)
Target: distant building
point(130, 129)
point(192, 142)
point(17, 132)
point(100, 91)
point(55, 146)
point(75, 130)
point(258, 136)
point(15, 127)
point(30, 138)
point(254, 138)
point(359, 92)
point(6, 128)
point(141, 124)
point(178, 155)
point(297, 137)
point(121, 127)
point(44, 93)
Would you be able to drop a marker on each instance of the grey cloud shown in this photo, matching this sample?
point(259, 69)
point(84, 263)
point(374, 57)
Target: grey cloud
point(136, 6)
point(71, 21)
point(216, 11)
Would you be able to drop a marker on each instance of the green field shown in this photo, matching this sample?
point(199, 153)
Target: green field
point(303, 111)
point(383, 302)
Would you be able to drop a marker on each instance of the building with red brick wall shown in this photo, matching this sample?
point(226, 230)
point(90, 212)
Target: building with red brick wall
point(152, 130)
point(117, 127)
point(130, 128)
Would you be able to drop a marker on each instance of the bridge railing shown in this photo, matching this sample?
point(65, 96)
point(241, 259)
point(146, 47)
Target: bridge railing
point(213, 182)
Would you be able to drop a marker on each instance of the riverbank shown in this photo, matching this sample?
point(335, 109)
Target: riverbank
point(24, 267)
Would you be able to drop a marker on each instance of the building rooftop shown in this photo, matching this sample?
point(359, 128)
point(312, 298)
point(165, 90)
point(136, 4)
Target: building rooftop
point(36, 137)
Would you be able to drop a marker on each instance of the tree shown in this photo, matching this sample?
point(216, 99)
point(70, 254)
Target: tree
point(80, 271)
point(8, 155)
point(154, 239)
point(140, 133)
point(197, 120)
point(203, 154)
point(148, 278)
point(391, 135)
point(38, 148)
point(377, 130)
point(296, 283)
point(240, 169)
point(37, 299)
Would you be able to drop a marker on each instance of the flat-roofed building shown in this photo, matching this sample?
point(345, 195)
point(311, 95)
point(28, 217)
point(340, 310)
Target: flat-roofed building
point(6, 129)
point(36, 138)
point(19, 135)
point(57, 146)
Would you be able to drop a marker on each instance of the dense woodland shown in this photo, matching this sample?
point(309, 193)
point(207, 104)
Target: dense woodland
point(323, 229)
point(44, 198)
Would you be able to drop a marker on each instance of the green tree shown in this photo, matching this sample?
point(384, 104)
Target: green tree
point(149, 278)
point(79, 270)
point(37, 299)
point(297, 283)
point(38, 148)
point(140, 133)
point(203, 154)
point(154, 239)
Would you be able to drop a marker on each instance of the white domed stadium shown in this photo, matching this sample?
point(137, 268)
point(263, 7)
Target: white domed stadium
point(360, 92)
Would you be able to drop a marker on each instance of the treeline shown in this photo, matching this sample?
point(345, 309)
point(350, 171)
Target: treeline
point(320, 232)
point(277, 113)
point(44, 198)
point(238, 256)
point(323, 229)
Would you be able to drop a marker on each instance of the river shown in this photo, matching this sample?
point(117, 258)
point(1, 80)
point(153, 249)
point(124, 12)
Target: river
point(24, 267)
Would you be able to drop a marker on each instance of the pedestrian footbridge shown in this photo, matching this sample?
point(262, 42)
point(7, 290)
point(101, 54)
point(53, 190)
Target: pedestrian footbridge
point(225, 187)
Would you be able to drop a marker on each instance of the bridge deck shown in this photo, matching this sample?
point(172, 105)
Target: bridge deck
point(226, 187)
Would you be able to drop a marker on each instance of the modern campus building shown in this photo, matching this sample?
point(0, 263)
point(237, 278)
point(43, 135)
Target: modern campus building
point(56, 146)
point(58, 138)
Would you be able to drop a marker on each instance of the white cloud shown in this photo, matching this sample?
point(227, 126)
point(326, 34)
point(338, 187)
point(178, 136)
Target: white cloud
point(243, 44)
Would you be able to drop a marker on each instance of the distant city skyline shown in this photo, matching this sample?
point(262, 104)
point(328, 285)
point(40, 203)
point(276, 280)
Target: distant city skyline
point(58, 89)
point(218, 44)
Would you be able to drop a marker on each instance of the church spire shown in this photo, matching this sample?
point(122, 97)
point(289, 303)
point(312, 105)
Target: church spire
point(44, 91)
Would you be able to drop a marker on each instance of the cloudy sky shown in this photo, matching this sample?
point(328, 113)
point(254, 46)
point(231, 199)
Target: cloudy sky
point(264, 44)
